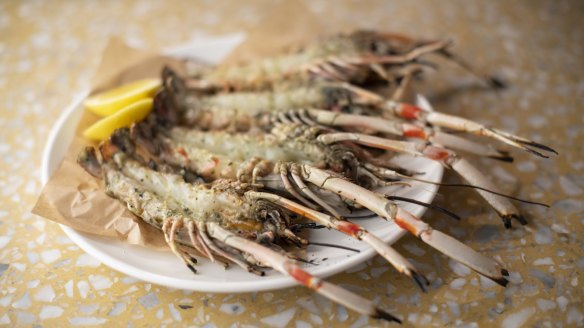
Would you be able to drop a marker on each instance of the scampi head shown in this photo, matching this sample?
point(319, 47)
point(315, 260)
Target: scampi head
point(336, 97)
point(170, 102)
point(167, 113)
point(93, 161)
point(343, 97)
point(88, 160)
point(178, 103)
point(120, 142)
point(144, 134)
point(341, 158)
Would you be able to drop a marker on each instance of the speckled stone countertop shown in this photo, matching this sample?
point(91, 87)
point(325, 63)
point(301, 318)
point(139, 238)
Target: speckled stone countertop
point(49, 50)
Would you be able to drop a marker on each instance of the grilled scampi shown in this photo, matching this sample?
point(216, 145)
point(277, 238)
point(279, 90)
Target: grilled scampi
point(293, 155)
point(224, 220)
point(356, 57)
point(239, 110)
point(121, 137)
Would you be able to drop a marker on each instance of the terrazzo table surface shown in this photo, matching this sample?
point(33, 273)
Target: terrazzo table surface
point(49, 50)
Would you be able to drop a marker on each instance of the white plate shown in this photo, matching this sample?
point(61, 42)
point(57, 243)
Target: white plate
point(164, 268)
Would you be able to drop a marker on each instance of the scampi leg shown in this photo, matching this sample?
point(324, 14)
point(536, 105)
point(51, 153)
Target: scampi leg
point(290, 188)
point(455, 142)
point(230, 257)
point(394, 127)
point(502, 205)
point(472, 175)
point(388, 210)
point(438, 119)
point(457, 123)
point(170, 229)
point(504, 208)
point(403, 85)
point(338, 68)
point(304, 188)
point(196, 241)
point(280, 263)
point(351, 229)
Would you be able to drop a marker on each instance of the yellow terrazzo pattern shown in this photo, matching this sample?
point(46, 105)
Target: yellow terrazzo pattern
point(49, 51)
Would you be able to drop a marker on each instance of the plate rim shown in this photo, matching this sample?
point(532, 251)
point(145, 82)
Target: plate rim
point(81, 238)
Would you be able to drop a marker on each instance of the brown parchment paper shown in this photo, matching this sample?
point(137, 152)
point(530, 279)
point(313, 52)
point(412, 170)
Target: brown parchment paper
point(74, 198)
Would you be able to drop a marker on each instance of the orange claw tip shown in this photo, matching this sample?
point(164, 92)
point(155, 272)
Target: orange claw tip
point(380, 314)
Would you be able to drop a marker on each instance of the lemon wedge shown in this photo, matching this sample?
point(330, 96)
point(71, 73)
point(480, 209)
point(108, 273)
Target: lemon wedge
point(109, 102)
point(103, 128)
